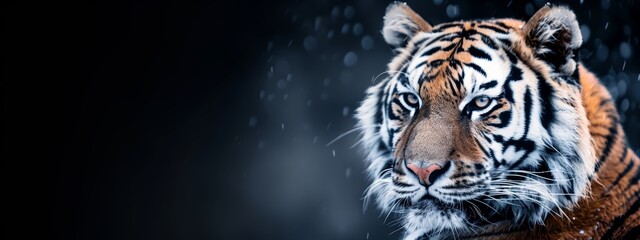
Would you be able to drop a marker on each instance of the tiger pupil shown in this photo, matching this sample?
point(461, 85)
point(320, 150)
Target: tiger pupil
point(482, 101)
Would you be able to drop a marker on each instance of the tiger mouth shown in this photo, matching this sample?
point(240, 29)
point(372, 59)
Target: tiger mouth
point(474, 211)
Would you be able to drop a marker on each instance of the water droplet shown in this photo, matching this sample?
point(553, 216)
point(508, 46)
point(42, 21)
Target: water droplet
point(573, 218)
point(345, 28)
point(289, 76)
point(529, 9)
point(350, 59)
point(622, 87)
point(284, 98)
point(334, 153)
point(315, 139)
point(625, 50)
point(624, 105)
point(335, 12)
point(282, 84)
point(586, 32)
point(453, 10)
point(606, 25)
point(269, 45)
point(367, 235)
point(345, 111)
point(310, 43)
point(366, 42)
point(282, 125)
point(581, 232)
point(602, 53)
point(349, 11)
point(330, 34)
point(357, 29)
point(437, 2)
point(318, 23)
point(326, 82)
point(262, 94)
point(347, 172)
point(253, 121)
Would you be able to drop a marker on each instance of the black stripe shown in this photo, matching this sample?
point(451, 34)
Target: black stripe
point(505, 119)
point(446, 26)
point(419, 66)
point(501, 24)
point(632, 234)
point(546, 97)
point(450, 47)
point(419, 42)
point(622, 175)
point(489, 42)
point(496, 29)
point(487, 113)
point(611, 139)
point(508, 92)
point(512, 57)
point(387, 165)
point(430, 51)
point(489, 84)
point(438, 38)
point(505, 41)
point(522, 144)
point(401, 184)
point(527, 111)
point(619, 221)
point(436, 63)
point(604, 102)
point(477, 53)
point(515, 73)
point(477, 68)
point(634, 180)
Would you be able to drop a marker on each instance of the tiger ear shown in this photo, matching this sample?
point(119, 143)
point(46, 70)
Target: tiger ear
point(554, 33)
point(401, 23)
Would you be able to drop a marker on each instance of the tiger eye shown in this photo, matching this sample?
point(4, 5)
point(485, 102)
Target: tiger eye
point(412, 99)
point(482, 101)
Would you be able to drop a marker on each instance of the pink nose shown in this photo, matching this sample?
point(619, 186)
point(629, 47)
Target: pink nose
point(424, 173)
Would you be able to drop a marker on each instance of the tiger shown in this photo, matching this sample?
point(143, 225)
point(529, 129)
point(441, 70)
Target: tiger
point(493, 129)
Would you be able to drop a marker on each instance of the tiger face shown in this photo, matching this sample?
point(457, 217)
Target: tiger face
point(477, 120)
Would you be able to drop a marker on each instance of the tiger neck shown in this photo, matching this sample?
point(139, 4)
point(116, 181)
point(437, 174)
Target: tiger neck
point(614, 188)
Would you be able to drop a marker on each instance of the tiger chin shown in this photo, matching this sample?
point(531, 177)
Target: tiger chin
point(493, 129)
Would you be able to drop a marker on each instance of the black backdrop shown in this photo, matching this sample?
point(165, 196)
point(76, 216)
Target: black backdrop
point(210, 120)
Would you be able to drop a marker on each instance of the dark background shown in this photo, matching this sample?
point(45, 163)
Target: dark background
point(210, 120)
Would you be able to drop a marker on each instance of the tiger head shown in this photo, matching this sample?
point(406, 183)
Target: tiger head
point(477, 120)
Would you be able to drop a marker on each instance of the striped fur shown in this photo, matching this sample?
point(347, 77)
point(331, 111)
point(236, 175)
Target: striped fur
point(545, 158)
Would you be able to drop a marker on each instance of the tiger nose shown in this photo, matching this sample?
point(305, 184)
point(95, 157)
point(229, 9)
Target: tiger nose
point(426, 175)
